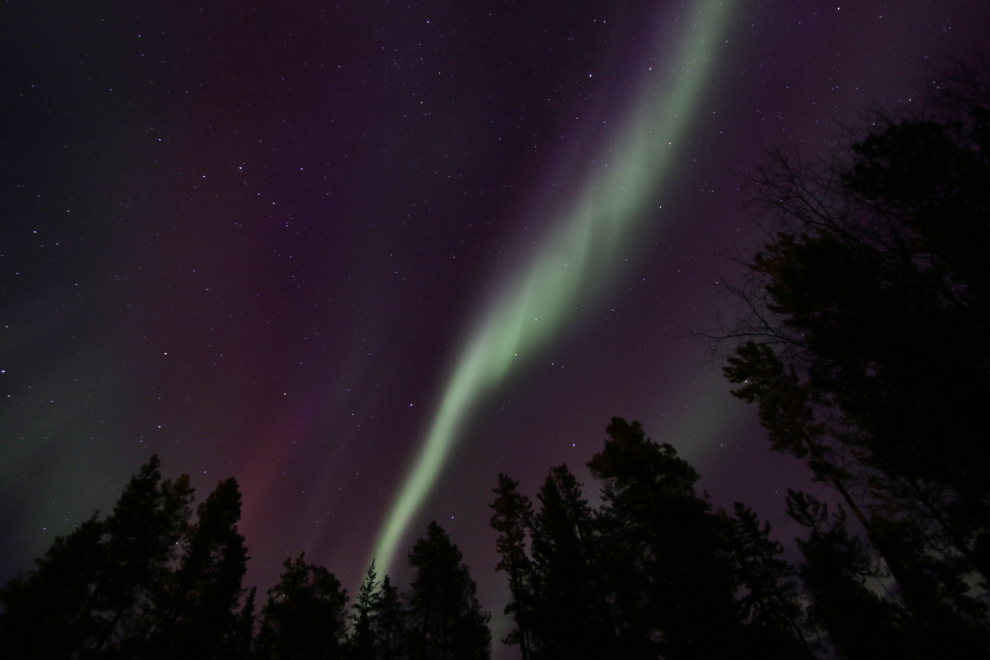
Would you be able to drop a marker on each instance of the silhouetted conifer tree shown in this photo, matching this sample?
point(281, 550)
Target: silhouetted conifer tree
point(444, 619)
point(143, 536)
point(388, 622)
point(95, 589)
point(304, 616)
point(838, 573)
point(361, 640)
point(46, 611)
point(239, 643)
point(571, 615)
point(200, 609)
point(767, 591)
point(655, 572)
point(673, 586)
point(862, 339)
point(512, 517)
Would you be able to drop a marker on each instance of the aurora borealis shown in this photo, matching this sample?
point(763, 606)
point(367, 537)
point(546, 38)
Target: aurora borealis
point(576, 251)
point(364, 256)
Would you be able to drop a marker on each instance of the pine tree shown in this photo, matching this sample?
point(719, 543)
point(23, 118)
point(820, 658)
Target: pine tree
point(304, 616)
point(200, 608)
point(513, 515)
point(769, 599)
point(837, 572)
point(143, 536)
point(863, 342)
point(239, 643)
point(46, 611)
point(674, 587)
point(95, 590)
point(571, 616)
point(445, 620)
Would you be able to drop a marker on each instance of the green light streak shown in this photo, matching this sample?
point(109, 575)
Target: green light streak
point(576, 253)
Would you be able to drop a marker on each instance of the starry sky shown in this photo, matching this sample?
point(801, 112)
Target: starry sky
point(363, 256)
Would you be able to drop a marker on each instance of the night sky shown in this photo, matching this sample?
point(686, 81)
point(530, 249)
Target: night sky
point(363, 256)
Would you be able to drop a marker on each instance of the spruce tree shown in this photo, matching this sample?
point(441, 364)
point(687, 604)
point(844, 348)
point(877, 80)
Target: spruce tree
point(361, 640)
point(239, 643)
point(389, 623)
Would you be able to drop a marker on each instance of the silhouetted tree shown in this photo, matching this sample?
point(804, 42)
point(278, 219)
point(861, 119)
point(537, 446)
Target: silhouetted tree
point(304, 616)
point(46, 613)
point(512, 517)
point(239, 644)
point(838, 572)
point(673, 585)
point(388, 622)
point(95, 589)
point(200, 609)
point(768, 593)
point(571, 612)
point(444, 618)
point(361, 640)
point(863, 339)
point(654, 572)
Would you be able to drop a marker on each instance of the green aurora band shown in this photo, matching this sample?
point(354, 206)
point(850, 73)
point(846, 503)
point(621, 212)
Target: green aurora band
point(577, 251)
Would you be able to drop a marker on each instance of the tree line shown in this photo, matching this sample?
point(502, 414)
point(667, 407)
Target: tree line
point(860, 336)
point(148, 582)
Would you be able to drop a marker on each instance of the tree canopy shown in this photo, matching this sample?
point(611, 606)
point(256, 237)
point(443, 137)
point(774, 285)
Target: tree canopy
point(861, 342)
